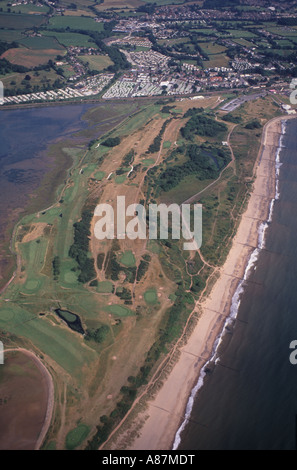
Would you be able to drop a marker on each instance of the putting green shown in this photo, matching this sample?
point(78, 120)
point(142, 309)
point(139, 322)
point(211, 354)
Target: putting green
point(32, 286)
point(76, 436)
point(99, 175)
point(68, 278)
point(119, 310)
point(150, 296)
point(128, 259)
point(105, 287)
point(120, 179)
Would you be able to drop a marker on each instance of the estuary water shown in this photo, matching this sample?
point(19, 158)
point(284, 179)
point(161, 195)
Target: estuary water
point(249, 400)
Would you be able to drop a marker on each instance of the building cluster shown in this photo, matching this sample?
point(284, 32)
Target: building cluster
point(144, 84)
point(88, 87)
point(132, 41)
point(147, 60)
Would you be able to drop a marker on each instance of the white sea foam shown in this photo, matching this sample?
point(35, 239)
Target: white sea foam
point(236, 299)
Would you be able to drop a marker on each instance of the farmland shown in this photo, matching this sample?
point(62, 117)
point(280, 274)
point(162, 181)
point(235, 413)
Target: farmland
point(70, 39)
point(96, 62)
point(63, 22)
point(31, 57)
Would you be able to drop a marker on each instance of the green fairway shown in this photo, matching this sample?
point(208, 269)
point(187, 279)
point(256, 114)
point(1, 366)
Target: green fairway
point(167, 144)
point(148, 161)
point(32, 285)
point(62, 345)
point(105, 287)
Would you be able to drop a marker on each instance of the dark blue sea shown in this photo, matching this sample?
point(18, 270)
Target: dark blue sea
point(249, 400)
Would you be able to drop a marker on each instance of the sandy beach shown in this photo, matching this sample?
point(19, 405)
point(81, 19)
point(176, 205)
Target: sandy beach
point(155, 426)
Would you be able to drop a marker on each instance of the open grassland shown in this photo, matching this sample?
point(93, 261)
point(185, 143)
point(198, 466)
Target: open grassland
point(10, 35)
point(72, 22)
point(96, 62)
point(29, 9)
point(70, 39)
point(217, 60)
point(211, 48)
point(20, 22)
point(118, 4)
point(30, 57)
point(42, 43)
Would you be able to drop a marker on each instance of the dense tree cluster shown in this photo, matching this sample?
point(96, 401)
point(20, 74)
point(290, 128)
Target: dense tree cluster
point(56, 267)
point(156, 145)
point(98, 335)
point(143, 267)
point(113, 268)
point(204, 161)
point(255, 124)
point(231, 118)
point(112, 142)
point(202, 125)
point(79, 250)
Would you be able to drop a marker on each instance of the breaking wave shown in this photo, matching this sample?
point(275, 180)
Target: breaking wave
point(236, 299)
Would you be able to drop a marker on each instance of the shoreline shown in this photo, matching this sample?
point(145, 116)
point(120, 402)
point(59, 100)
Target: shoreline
point(170, 408)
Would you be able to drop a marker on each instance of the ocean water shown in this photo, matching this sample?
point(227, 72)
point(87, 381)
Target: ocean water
point(25, 135)
point(249, 400)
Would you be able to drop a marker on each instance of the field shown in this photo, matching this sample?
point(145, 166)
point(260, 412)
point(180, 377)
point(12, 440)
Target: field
point(20, 22)
point(10, 35)
point(30, 57)
point(212, 48)
point(108, 4)
point(71, 39)
point(29, 9)
point(241, 33)
point(42, 43)
point(96, 62)
point(87, 24)
point(41, 78)
point(244, 42)
point(218, 60)
point(24, 397)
